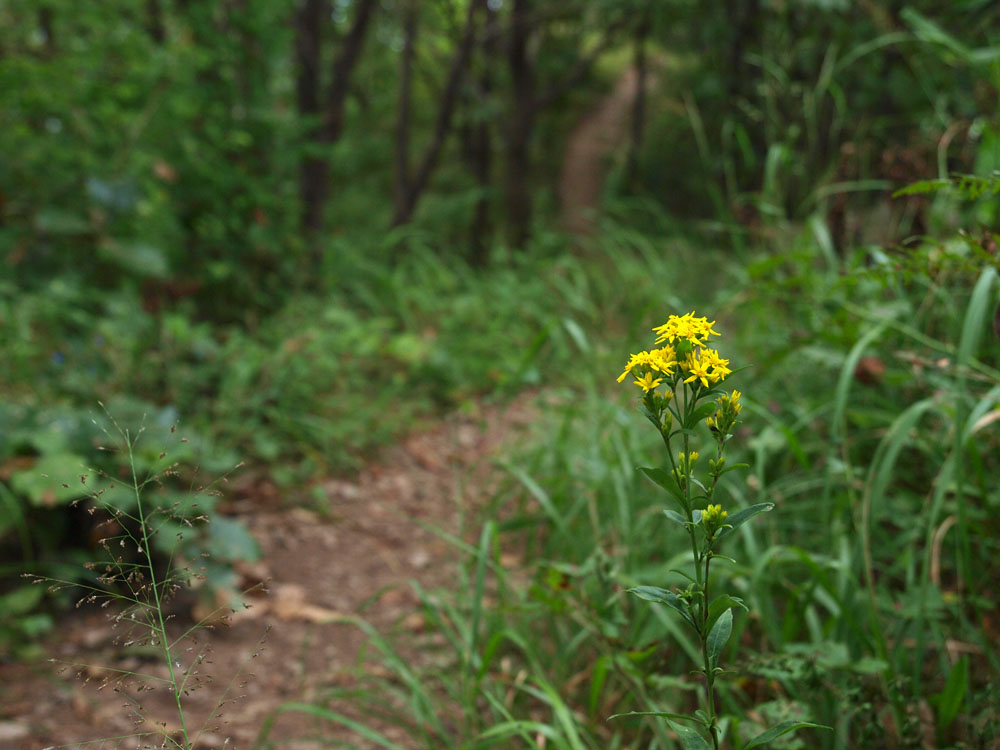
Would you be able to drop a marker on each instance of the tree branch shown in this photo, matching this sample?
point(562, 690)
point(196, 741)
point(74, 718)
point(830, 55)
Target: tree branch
point(343, 64)
point(442, 127)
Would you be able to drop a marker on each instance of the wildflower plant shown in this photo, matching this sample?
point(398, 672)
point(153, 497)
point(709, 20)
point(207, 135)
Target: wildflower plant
point(682, 383)
point(136, 587)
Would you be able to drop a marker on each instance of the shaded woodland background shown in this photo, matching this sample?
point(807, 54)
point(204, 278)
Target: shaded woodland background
point(307, 228)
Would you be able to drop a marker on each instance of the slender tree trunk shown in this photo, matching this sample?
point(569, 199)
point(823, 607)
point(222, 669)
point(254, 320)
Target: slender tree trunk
point(480, 145)
point(402, 167)
point(47, 25)
point(525, 108)
point(442, 127)
point(315, 171)
point(308, 54)
point(520, 127)
point(343, 65)
point(745, 18)
point(154, 21)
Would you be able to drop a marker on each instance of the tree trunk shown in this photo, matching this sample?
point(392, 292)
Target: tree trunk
point(525, 108)
point(520, 127)
point(154, 21)
point(480, 146)
point(314, 177)
point(343, 65)
point(745, 25)
point(308, 54)
point(442, 127)
point(46, 24)
point(402, 167)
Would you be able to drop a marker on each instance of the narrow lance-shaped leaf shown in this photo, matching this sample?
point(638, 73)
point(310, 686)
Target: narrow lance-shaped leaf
point(738, 519)
point(689, 737)
point(950, 701)
point(719, 605)
point(667, 482)
point(650, 415)
point(678, 518)
point(660, 714)
point(662, 596)
point(778, 730)
point(718, 636)
point(733, 467)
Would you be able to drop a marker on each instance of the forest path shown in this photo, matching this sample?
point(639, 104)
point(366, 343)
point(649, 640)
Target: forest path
point(356, 561)
point(604, 129)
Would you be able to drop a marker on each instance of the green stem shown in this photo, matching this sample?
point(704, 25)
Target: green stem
point(161, 627)
point(709, 672)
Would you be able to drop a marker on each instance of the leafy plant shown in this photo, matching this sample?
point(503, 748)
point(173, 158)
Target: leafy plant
point(690, 373)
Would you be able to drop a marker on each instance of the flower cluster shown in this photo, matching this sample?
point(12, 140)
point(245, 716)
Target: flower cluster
point(686, 353)
point(725, 417)
point(713, 517)
point(685, 328)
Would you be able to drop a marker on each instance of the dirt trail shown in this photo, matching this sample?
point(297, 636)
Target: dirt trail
point(318, 568)
point(596, 136)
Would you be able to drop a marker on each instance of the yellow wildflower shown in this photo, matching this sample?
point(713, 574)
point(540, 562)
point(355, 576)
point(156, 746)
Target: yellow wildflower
point(663, 360)
point(685, 328)
point(734, 402)
point(635, 360)
point(686, 460)
point(698, 367)
point(720, 366)
point(647, 382)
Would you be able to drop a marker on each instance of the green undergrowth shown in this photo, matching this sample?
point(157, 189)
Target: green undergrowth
point(871, 420)
point(315, 388)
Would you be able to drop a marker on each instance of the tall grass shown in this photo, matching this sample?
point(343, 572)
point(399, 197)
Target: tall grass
point(873, 428)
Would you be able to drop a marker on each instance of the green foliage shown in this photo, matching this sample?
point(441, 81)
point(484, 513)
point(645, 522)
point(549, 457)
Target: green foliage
point(153, 257)
point(862, 368)
point(57, 470)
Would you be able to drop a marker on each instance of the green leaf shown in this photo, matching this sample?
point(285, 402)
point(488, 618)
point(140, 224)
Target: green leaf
point(718, 637)
point(662, 596)
point(667, 482)
point(21, 600)
point(57, 222)
point(738, 519)
point(734, 467)
point(136, 257)
point(950, 701)
point(538, 493)
point(52, 480)
point(230, 540)
point(662, 714)
point(922, 187)
point(690, 738)
point(648, 414)
point(779, 729)
point(719, 605)
point(678, 518)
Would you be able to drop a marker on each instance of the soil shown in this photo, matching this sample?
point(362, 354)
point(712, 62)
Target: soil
point(358, 559)
point(585, 162)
